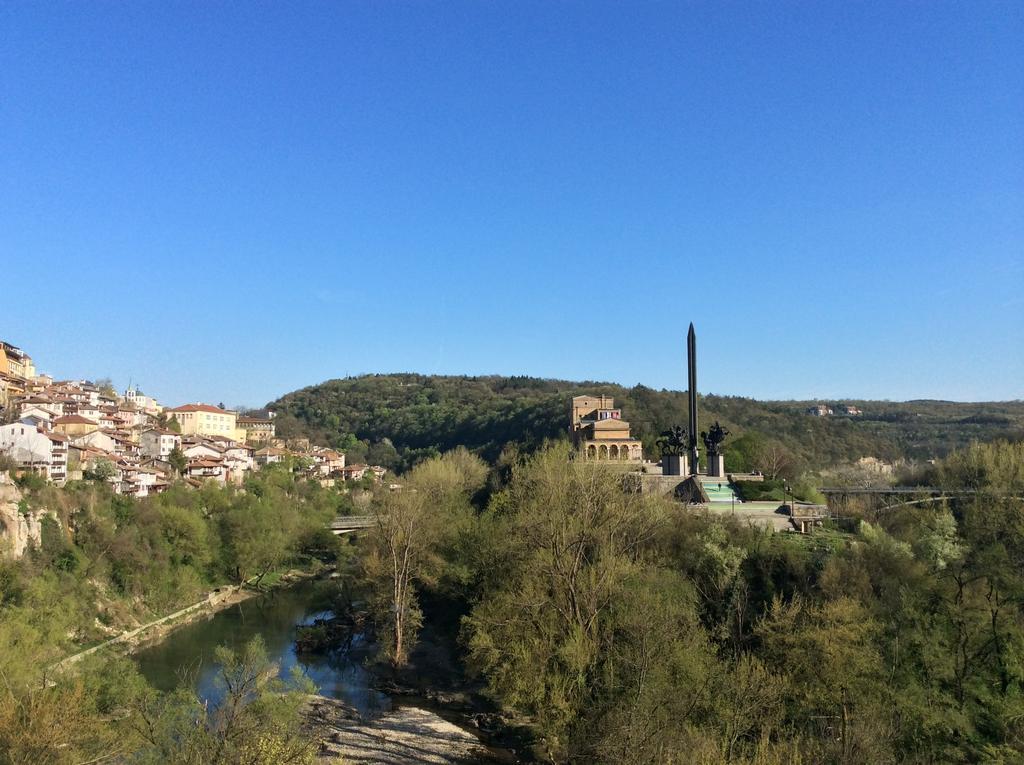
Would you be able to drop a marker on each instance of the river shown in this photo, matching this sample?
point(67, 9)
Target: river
point(187, 653)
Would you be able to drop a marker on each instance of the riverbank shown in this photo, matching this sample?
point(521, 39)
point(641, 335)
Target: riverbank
point(433, 685)
point(155, 631)
point(398, 737)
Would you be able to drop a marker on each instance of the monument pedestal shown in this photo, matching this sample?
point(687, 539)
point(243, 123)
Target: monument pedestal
point(675, 464)
point(716, 465)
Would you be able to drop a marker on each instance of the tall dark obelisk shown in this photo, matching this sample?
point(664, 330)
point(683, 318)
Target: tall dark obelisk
point(691, 365)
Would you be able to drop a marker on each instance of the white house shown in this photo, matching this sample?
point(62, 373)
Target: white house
point(328, 461)
point(239, 460)
point(36, 450)
point(96, 440)
point(159, 443)
point(139, 480)
point(204, 468)
point(85, 410)
point(35, 421)
point(201, 450)
point(268, 455)
point(45, 408)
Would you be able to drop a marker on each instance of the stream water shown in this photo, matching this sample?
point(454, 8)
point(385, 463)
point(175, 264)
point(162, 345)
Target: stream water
point(187, 654)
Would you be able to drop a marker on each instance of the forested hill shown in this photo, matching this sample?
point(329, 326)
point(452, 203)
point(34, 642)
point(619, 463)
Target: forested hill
point(421, 414)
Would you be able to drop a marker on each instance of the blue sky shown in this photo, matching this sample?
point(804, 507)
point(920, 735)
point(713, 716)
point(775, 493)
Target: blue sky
point(228, 201)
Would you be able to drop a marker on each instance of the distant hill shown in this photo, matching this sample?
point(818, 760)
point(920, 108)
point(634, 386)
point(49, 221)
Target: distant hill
point(401, 417)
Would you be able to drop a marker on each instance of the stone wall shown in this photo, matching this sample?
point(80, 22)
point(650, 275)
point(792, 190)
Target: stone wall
point(682, 488)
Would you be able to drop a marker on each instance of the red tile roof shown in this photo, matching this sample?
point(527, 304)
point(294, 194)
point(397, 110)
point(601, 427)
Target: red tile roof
point(199, 408)
point(75, 419)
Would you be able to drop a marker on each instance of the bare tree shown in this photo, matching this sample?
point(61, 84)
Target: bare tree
point(774, 461)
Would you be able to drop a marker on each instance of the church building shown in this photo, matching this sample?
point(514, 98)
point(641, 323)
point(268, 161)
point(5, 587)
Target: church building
point(599, 432)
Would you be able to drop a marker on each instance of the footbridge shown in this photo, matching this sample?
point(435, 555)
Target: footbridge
point(346, 524)
point(883, 498)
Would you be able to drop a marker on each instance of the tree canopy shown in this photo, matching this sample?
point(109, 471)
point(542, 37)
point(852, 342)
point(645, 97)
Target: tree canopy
point(402, 418)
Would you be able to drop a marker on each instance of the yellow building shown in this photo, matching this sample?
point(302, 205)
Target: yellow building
point(599, 432)
point(15, 362)
point(74, 425)
point(256, 429)
point(205, 420)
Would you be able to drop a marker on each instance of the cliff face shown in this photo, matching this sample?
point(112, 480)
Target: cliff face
point(17, 529)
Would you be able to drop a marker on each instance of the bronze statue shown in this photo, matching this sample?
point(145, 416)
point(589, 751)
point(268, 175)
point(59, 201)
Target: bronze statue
point(674, 442)
point(713, 438)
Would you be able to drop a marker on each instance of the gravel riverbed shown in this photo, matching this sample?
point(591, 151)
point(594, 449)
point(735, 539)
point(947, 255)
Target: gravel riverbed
point(400, 736)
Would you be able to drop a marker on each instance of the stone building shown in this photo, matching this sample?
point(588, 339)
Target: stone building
point(598, 431)
point(257, 429)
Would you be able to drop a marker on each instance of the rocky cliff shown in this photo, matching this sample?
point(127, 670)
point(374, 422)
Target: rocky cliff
point(17, 529)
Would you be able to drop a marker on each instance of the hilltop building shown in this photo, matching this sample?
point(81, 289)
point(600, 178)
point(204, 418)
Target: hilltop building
point(141, 402)
point(16, 373)
point(204, 420)
point(15, 362)
point(599, 433)
point(63, 428)
point(257, 429)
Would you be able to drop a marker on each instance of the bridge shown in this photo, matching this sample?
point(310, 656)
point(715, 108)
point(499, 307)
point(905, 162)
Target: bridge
point(884, 498)
point(346, 524)
point(887, 490)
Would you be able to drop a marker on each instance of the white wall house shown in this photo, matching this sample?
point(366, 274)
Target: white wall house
point(89, 411)
point(96, 440)
point(38, 413)
point(34, 405)
point(200, 450)
point(159, 443)
point(42, 452)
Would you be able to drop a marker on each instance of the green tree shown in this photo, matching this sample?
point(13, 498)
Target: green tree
point(607, 655)
point(834, 674)
point(101, 470)
point(259, 537)
point(411, 528)
point(106, 387)
point(258, 722)
point(178, 460)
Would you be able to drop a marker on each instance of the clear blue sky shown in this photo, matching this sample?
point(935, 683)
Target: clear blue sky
point(227, 201)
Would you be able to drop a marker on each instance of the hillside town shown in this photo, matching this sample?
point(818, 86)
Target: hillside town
point(66, 430)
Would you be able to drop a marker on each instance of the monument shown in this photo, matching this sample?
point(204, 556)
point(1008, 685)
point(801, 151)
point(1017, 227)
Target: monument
point(691, 366)
point(674, 442)
point(680, 453)
point(713, 439)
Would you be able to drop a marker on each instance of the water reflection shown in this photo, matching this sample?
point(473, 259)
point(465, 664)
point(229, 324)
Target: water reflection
point(187, 655)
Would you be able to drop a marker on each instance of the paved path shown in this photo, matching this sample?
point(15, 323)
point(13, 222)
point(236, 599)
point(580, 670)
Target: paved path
point(759, 513)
